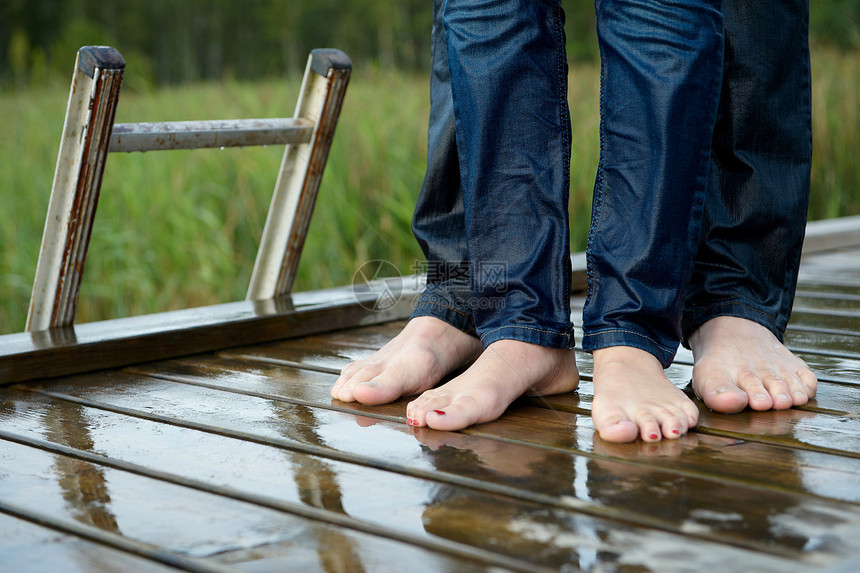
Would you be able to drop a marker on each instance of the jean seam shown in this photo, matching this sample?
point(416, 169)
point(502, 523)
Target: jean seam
point(597, 200)
point(633, 332)
point(543, 330)
point(431, 303)
point(732, 303)
point(564, 116)
point(471, 331)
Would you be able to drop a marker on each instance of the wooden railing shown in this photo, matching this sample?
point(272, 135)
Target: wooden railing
point(89, 134)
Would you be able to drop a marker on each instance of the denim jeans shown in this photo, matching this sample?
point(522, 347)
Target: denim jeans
point(702, 190)
point(492, 215)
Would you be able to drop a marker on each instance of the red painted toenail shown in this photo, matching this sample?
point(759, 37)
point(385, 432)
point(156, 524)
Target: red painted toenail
point(440, 412)
point(675, 432)
point(653, 436)
point(409, 421)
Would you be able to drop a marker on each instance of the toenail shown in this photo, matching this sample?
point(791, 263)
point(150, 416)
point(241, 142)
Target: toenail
point(370, 383)
point(440, 412)
point(676, 432)
point(800, 395)
point(653, 436)
point(784, 397)
point(409, 421)
point(760, 396)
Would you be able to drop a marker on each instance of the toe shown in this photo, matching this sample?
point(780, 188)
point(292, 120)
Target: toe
point(692, 414)
point(674, 425)
point(379, 390)
point(440, 420)
point(418, 409)
point(719, 392)
point(804, 388)
point(342, 391)
point(621, 431)
point(344, 388)
point(758, 395)
point(809, 381)
point(615, 427)
point(649, 429)
point(778, 390)
point(412, 415)
point(442, 411)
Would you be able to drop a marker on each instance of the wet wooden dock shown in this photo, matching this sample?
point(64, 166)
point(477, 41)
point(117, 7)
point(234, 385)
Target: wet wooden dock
point(236, 459)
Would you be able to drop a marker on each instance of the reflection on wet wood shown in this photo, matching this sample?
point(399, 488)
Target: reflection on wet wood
point(26, 546)
point(238, 459)
point(484, 460)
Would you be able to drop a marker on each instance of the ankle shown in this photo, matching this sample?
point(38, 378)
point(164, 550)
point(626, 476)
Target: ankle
point(624, 355)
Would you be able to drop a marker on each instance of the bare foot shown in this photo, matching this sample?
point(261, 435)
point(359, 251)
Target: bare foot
point(425, 351)
point(740, 363)
point(633, 397)
point(506, 370)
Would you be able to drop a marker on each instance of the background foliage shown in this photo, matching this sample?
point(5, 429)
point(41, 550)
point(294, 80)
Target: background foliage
point(179, 41)
point(181, 229)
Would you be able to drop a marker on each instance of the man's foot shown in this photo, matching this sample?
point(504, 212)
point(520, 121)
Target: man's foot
point(506, 370)
point(633, 398)
point(424, 352)
point(740, 363)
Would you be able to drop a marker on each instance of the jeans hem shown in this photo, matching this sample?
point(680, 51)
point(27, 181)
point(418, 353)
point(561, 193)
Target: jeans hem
point(533, 335)
point(696, 317)
point(452, 316)
point(623, 337)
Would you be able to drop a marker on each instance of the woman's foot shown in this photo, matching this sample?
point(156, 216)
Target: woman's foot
point(415, 360)
point(633, 398)
point(506, 370)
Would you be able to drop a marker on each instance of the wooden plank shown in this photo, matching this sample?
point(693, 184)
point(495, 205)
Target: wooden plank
point(519, 529)
point(303, 353)
point(812, 319)
point(555, 481)
point(162, 136)
point(796, 428)
point(311, 388)
point(831, 234)
point(139, 507)
point(837, 268)
point(371, 337)
point(288, 381)
point(833, 262)
point(25, 546)
point(120, 342)
point(842, 345)
point(320, 353)
point(579, 274)
point(815, 300)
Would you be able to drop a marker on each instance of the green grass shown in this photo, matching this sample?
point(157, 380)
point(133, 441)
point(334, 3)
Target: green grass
point(180, 229)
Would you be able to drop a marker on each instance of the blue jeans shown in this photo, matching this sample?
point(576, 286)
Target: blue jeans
point(702, 190)
point(492, 215)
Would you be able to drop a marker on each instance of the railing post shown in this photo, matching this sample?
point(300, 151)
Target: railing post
point(323, 89)
point(77, 181)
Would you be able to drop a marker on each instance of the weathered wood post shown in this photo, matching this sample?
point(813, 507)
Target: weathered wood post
point(77, 180)
point(323, 89)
